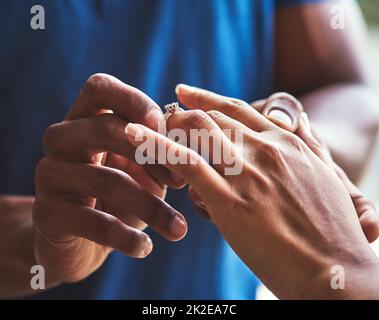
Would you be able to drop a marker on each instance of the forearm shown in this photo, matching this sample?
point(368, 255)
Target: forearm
point(16, 246)
point(347, 118)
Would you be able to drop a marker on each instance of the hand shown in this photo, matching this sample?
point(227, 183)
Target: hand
point(285, 111)
point(90, 197)
point(287, 215)
point(16, 245)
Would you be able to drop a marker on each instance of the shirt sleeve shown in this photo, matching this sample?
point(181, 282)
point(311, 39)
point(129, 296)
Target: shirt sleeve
point(285, 3)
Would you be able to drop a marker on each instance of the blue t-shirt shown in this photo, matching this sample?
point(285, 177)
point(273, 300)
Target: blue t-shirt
point(221, 45)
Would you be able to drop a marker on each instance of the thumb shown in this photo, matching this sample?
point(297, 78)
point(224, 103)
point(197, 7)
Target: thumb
point(282, 109)
point(366, 211)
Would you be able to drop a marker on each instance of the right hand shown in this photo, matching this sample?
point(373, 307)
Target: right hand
point(90, 198)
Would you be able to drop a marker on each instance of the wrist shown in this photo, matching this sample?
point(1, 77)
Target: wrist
point(353, 279)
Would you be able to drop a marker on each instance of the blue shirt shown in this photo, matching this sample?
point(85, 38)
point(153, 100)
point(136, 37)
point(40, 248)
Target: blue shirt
point(221, 45)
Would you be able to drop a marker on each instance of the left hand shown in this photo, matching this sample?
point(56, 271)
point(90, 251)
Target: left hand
point(285, 111)
point(287, 206)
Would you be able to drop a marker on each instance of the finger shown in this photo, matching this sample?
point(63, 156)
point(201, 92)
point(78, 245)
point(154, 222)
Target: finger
point(69, 219)
point(198, 203)
point(204, 136)
point(192, 167)
point(119, 194)
point(137, 172)
point(237, 129)
point(195, 98)
point(284, 110)
point(104, 92)
point(304, 132)
point(83, 139)
point(259, 105)
point(365, 209)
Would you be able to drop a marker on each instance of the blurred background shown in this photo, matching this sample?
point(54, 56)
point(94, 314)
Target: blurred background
point(370, 182)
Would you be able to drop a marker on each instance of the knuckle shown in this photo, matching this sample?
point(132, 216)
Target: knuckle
point(110, 182)
point(235, 103)
point(112, 125)
point(51, 137)
point(272, 151)
point(240, 202)
point(292, 140)
point(136, 243)
point(261, 179)
point(96, 83)
point(271, 154)
point(215, 114)
point(195, 118)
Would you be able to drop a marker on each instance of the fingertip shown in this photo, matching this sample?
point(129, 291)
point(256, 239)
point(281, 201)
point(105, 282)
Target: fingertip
point(184, 89)
point(187, 95)
point(370, 225)
point(148, 247)
point(198, 203)
point(177, 89)
point(178, 227)
point(140, 247)
point(133, 132)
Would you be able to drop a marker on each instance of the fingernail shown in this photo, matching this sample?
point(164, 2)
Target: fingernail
point(178, 227)
point(175, 178)
point(154, 116)
point(281, 116)
point(183, 89)
point(148, 247)
point(132, 131)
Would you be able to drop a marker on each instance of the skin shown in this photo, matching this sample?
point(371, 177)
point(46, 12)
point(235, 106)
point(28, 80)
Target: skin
point(285, 111)
point(75, 179)
point(289, 204)
point(86, 191)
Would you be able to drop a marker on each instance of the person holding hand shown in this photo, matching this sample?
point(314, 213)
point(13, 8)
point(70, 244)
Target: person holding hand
point(91, 198)
point(290, 214)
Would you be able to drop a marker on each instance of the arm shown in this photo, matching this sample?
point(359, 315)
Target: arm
point(16, 245)
point(327, 69)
